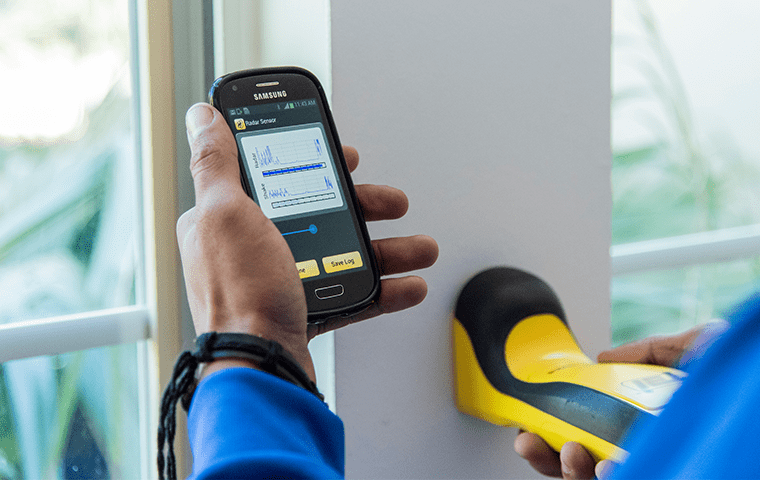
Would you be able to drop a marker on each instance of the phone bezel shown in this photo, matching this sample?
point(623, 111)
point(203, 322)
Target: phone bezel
point(361, 287)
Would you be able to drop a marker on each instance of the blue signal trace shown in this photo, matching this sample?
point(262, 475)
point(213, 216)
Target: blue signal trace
point(283, 192)
point(288, 152)
point(302, 168)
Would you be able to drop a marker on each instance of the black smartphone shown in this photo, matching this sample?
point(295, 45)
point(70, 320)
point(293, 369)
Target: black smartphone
point(292, 165)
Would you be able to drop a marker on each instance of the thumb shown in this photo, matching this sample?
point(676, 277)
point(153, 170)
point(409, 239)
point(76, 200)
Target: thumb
point(213, 163)
point(665, 351)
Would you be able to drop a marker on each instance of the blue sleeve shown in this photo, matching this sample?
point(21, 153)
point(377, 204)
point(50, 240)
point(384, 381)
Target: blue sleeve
point(244, 423)
point(710, 427)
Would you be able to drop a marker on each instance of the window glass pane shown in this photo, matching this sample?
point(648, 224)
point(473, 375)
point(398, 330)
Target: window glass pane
point(68, 186)
point(670, 301)
point(71, 416)
point(684, 117)
point(68, 236)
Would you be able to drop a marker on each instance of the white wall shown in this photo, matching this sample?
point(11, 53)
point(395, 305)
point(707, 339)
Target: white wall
point(493, 116)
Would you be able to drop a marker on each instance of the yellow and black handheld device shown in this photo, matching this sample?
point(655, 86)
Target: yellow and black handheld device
point(517, 364)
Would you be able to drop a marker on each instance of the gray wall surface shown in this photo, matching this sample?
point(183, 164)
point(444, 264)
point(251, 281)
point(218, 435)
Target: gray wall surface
point(493, 117)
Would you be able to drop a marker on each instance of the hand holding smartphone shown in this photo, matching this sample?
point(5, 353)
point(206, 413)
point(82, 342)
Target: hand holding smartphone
point(292, 165)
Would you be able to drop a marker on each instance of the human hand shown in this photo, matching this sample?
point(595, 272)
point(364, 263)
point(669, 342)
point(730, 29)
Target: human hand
point(575, 462)
point(240, 273)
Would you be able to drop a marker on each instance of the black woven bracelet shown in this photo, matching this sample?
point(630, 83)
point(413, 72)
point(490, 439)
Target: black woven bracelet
point(268, 355)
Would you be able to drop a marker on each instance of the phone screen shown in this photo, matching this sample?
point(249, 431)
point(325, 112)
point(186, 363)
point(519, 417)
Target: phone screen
point(293, 177)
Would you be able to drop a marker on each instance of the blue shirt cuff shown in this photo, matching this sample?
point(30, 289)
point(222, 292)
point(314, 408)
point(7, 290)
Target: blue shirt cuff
point(242, 420)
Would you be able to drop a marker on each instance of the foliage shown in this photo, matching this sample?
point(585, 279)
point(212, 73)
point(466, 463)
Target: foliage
point(68, 233)
point(667, 182)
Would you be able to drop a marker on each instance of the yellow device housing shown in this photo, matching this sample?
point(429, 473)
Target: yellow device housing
point(517, 364)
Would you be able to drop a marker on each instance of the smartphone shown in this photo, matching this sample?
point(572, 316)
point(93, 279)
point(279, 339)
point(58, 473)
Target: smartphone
point(292, 165)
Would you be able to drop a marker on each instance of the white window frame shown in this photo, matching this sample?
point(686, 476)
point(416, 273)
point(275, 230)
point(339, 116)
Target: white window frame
point(686, 250)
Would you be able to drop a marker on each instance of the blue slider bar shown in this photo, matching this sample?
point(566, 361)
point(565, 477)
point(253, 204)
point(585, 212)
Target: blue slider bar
point(312, 229)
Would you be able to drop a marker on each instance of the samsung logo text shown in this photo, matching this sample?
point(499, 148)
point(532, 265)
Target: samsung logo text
point(270, 95)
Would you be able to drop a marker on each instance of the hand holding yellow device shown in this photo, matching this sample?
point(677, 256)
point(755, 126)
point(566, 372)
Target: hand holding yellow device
point(517, 364)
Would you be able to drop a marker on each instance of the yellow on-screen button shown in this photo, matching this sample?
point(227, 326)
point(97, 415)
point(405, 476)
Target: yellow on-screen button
point(307, 269)
point(344, 261)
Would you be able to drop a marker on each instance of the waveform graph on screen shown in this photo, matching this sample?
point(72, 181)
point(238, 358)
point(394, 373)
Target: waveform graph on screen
point(291, 170)
point(288, 153)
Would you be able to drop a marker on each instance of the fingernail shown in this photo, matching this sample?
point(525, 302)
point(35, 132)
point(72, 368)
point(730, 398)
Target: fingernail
point(197, 118)
point(604, 469)
point(566, 472)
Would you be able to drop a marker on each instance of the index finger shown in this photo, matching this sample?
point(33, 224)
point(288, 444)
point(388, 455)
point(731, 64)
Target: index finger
point(352, 157)
point(538, 453)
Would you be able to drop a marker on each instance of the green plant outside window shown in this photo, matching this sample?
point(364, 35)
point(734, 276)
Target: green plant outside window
point(681, 162)
point(68, 234)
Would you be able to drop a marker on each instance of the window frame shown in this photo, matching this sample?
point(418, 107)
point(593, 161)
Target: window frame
point(702, 248)
point(157, 142)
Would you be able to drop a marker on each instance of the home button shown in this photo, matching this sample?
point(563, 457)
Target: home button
point(329, 292)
